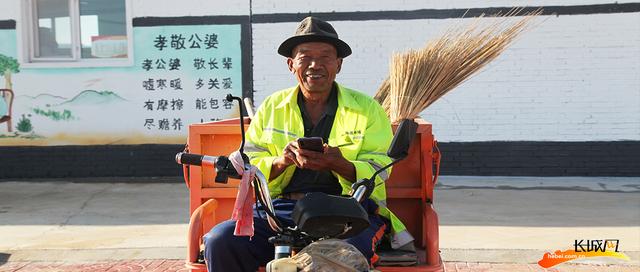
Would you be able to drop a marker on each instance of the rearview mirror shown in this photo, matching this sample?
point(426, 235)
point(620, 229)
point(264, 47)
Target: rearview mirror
point(399, 147)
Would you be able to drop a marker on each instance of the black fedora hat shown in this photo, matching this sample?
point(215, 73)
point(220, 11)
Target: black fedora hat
point(312, 29)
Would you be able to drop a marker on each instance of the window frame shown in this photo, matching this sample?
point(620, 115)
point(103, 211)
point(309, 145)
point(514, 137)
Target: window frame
point(30, 39)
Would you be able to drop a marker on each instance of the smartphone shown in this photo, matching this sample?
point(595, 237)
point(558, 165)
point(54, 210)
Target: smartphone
point(311, 143)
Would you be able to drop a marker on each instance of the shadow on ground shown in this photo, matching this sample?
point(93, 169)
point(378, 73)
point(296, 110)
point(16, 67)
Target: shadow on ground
point(4, 258)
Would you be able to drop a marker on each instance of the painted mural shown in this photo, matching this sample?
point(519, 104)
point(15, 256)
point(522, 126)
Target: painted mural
point(180, 76)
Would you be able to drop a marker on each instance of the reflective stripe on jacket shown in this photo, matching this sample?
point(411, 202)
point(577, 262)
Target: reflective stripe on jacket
point(360, 126)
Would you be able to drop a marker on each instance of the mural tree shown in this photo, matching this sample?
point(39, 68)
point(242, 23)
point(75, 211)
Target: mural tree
point(8, 65)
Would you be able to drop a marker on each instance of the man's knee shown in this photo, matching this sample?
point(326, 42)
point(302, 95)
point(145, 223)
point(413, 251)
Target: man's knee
point(220, 237)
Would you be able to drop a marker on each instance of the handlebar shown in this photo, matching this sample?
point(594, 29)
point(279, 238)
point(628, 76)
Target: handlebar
point(196, 159)
point(222, 165)
point(359, 194)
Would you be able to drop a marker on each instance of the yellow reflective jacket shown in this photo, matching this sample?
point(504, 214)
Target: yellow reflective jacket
point(360, 122)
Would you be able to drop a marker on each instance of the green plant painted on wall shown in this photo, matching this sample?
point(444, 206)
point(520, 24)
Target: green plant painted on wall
point(24, 125)
point(64, 115)
point(24, 130)
point(8, 65)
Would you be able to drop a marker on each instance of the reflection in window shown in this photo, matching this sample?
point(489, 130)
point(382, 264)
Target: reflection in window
point(54, 29)
point(77, 30)
point(103, 29)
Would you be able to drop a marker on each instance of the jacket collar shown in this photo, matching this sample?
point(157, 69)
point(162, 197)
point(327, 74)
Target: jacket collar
point(344, 98)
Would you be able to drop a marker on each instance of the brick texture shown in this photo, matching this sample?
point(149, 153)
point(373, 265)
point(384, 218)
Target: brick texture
point(89, 161)
point(541, 158)
point(519, 158)
point(178, 265)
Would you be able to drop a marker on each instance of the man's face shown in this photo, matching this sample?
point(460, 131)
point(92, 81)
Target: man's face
point(315, 65)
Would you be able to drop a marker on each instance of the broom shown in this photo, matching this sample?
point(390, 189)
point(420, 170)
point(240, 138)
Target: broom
point(418, 78)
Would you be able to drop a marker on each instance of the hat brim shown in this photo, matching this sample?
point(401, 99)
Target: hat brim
point(287, 46)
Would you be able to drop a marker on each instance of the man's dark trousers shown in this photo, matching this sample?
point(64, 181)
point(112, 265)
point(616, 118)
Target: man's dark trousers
point(225, 252)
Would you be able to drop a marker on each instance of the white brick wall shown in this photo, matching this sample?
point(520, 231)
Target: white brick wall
point(296, 6)
point(189, 7)
point(10, 9)
point(572, 78)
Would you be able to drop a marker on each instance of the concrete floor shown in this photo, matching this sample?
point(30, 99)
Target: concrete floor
point(482, 219)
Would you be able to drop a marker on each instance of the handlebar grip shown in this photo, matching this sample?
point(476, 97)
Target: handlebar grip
point(189, 159)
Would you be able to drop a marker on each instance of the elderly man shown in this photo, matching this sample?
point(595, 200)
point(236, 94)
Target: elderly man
point(356, 133)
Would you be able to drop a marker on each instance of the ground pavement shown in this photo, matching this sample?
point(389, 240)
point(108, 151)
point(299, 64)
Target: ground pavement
point(486, 223)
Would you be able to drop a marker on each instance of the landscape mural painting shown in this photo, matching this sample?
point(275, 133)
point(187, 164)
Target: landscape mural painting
point(179, 76)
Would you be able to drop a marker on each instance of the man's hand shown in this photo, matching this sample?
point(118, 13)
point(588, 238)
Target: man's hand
point(288, 156)
point(281, 163)
point(330, 159)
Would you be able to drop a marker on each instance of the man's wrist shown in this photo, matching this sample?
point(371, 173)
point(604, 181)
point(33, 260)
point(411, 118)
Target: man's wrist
point(280, 162)
point(339, 163)
point(278, 165)
point(345, 168)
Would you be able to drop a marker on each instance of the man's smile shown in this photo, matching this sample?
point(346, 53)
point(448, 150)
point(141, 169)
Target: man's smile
point(315, 78)
point(315, 75)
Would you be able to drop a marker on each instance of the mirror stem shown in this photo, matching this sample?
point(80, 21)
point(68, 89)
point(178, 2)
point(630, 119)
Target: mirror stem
point(230, 98)
point(373, 178)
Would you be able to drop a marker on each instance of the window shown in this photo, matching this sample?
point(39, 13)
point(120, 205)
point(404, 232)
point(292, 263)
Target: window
point(85, 32)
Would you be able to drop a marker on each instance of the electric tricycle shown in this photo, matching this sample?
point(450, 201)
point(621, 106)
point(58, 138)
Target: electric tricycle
point(314, 218)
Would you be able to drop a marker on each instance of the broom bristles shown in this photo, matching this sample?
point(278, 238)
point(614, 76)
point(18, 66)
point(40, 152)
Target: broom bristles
point(417, 78)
